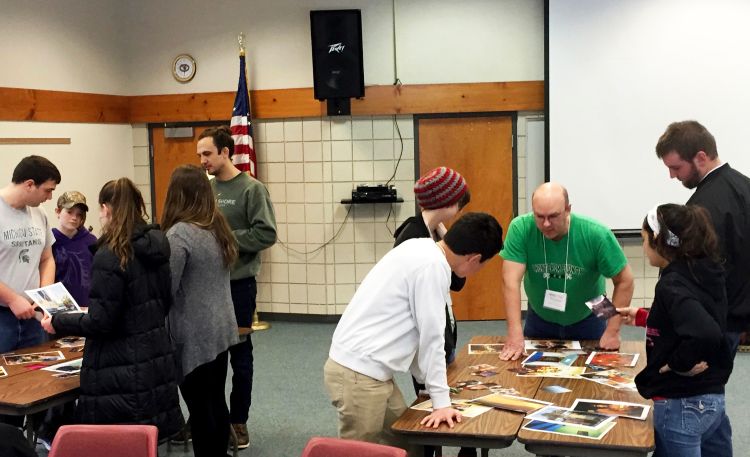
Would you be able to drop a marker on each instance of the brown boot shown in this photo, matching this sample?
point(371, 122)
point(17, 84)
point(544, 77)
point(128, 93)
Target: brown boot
point(239, 432)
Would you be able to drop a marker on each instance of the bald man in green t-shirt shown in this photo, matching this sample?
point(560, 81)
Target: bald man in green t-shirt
point(563, 260)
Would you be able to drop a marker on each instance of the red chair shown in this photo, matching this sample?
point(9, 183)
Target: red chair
point(105, 441)
point(336, 447)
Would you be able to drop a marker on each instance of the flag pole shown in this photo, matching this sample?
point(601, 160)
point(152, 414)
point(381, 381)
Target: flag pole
point(257, 323)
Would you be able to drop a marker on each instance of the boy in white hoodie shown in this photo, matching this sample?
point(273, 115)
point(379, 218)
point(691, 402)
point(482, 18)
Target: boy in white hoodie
point(395, 323)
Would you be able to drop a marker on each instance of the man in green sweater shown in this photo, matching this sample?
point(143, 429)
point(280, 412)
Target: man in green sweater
point(562, 258)
point(245, 203)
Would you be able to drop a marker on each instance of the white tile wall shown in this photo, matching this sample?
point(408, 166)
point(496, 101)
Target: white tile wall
point(312, 165)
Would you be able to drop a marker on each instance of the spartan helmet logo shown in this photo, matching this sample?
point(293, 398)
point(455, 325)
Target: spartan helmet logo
point(23, 256)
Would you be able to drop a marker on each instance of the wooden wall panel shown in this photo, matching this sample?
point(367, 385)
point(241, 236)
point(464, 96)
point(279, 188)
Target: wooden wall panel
point(39, 105)
point(58, 106)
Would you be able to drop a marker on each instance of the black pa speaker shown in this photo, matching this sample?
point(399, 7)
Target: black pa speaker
point(338, 71)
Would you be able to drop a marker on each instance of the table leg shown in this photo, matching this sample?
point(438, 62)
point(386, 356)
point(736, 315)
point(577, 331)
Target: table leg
point(30, 430)
point(485, 452)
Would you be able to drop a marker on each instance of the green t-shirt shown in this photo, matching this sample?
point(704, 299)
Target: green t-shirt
point(593, 254)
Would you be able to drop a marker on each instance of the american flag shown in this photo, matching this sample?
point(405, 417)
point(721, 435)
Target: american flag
point(242, 130)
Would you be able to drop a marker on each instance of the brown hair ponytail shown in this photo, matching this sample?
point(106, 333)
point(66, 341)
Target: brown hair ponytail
point(128, 210)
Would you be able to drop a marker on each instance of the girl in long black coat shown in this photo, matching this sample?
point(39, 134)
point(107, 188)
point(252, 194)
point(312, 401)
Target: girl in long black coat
point(128, 373)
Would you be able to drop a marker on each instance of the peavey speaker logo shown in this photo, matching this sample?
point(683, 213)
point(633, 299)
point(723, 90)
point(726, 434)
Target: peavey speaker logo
point(336, 47)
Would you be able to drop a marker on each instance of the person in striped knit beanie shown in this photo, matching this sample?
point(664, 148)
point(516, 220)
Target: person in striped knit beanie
point(441, 193)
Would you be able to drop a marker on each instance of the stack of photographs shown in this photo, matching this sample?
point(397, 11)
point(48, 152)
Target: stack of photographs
point(566, 421)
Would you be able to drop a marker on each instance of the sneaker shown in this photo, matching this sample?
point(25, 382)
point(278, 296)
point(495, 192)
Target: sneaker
point(183, 436)
point(45, 443)
point(239, 433)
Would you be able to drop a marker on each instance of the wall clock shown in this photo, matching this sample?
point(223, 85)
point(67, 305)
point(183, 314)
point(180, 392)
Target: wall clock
point(183, 68)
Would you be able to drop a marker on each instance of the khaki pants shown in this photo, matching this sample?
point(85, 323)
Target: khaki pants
point(366, 407)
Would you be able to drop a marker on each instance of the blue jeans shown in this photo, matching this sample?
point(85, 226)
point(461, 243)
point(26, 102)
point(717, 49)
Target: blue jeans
point(18, 333)
point(590, 328)
point(692, 427)
point(241, 355)
point(733, 338)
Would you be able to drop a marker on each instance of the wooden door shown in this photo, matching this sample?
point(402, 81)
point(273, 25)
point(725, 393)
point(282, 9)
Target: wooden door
point(170, 153)
point(481, 149)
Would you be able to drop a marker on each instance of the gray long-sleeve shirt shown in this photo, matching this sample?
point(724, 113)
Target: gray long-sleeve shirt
point(201, 321)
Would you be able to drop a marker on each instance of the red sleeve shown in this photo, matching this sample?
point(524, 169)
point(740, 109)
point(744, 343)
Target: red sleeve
point(640, 317)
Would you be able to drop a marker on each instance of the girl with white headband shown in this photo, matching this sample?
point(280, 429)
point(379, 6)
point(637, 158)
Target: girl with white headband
point(688, 358)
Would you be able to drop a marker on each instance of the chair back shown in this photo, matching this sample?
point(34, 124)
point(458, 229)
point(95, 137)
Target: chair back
point(336, 447)
point(105, 441)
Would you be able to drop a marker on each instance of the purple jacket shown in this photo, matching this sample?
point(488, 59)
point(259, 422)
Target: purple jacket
point(73, 260)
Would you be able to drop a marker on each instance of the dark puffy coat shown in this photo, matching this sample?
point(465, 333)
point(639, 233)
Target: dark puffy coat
point(129, 371)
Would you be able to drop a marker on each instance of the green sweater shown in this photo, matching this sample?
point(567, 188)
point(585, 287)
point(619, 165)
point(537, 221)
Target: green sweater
point(245, 203)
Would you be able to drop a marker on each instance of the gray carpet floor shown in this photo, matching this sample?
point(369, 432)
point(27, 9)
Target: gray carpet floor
point(290, 404)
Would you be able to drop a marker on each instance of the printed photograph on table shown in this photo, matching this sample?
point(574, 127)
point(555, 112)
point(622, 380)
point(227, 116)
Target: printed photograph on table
point(612, 378)
point(612, 359)
point(3, 373)
point(20, 359)
point(511, 403)
point(505, 391)
point(552, 345)
point(69, 342)
point(484, 374)
point(466, 407)
point(483, 367)
point(72, 366)
point(566, 416)
point(550, 358)
point(53, 299)
point(471, 384)
point(550, 371)
point(612, 408)
point(602, 307)
point(66, 375)
point(485, 348)
point(568, 430)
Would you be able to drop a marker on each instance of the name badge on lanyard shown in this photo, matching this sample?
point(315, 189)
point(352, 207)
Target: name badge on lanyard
point(555, 300)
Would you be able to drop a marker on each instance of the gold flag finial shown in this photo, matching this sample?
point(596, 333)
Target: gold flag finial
point(241, 42)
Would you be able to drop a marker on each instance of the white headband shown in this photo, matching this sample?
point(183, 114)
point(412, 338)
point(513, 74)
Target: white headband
point(653, 222)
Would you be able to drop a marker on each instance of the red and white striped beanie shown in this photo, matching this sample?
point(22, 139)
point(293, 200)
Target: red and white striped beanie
point(439, 188)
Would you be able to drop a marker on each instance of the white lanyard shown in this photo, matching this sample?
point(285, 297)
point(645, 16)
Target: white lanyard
point(546, 264)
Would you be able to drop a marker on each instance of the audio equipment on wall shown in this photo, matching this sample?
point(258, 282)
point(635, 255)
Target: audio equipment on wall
point(338, 70)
